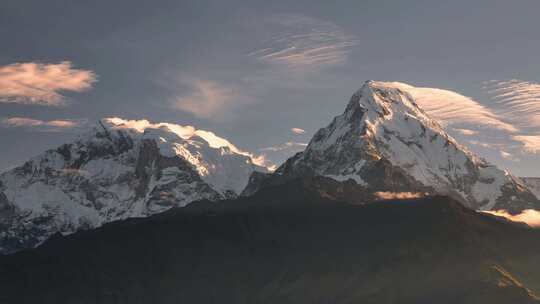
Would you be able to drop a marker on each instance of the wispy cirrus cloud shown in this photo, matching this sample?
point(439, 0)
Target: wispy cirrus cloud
point(288, 146)
point(466, 132)
point(452, 108)
point(42, 84)
point(518, 100)
point(42, 125)
point(298, 131)
point(281, 152)
point(298, 41)
point(508, 156)
point(206, 98)
point(531, 143)
point(487, 145)
point(494, 127)
point(289, 45)
point(506, 147)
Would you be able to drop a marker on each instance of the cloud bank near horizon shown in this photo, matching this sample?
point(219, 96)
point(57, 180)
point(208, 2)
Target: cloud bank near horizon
point(530, 217)
point(55, 125)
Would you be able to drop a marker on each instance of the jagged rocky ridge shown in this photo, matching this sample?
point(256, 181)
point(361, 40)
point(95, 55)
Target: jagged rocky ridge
point(384, 142)
point(533, 183)
point(119, 169)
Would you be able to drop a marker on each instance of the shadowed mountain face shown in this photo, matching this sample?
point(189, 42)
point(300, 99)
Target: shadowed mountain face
point(287, 244)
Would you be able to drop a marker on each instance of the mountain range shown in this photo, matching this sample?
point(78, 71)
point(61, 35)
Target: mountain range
point(383, 145)
point(289, 243)
point(119, 169)
point(383, 206)
point(384, 142)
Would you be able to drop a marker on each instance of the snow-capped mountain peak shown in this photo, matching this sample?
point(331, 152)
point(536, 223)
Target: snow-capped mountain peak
point(385, 142)
point(116, 170)
point(217, 160)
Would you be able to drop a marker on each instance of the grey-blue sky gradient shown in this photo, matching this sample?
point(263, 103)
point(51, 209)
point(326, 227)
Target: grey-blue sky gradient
point(252, 70)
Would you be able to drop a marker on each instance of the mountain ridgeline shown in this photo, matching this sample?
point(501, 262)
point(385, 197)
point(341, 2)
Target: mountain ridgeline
point(381, 207)
point(534, 184)
point(119, 169)
point(292, 243)
point(384, 142)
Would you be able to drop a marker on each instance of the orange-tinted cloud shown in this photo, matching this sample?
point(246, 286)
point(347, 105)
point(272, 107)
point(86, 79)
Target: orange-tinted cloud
point(384, 195)
point(531, 143)
point(207, 98)
point(519, 99)
point(38, 83)
point(298, 131)
point(451, 108)
point(42, 125)
point(466, 132)
point(289, 146)
point(529, 216)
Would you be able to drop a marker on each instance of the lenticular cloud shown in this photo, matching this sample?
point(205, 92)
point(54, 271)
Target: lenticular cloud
point(451, 108)
point(519, 100)
point(305, 42)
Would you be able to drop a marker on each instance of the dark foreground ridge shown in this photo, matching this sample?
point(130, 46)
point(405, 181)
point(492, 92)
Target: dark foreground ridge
point(287, 244)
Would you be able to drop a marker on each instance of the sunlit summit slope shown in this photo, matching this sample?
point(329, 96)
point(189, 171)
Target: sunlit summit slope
point(119, 169)
point(384, 142)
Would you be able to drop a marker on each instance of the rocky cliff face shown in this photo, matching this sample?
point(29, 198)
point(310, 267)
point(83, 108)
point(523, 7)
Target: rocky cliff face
point(384, 142)
point(119, 169)
point(533, 183)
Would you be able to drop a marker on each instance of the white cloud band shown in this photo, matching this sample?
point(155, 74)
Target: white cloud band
point(42, 125)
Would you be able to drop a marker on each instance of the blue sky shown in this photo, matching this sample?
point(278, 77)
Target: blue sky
point(253, 70)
